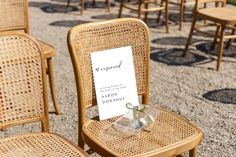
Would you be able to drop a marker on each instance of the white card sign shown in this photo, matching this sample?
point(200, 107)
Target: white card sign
point(115, 82)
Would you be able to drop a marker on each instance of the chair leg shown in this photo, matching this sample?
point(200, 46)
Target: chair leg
point(215, 37)
point(160, 12)
point(190, 34)
point(108, 5)
point(193, 152)
point(228, 43)
point(167, 16)
point(181, 14)
point(80, 138)
point(146, 13)
point(68, 3)
point(121, 8)
point(139, 9)
point(221, 46)
point(52, 85)
point(94, 2)
point(82, 7)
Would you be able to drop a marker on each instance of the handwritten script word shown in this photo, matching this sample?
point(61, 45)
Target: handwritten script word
point(107, 68)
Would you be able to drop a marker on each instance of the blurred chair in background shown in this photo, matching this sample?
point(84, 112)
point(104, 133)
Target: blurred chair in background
point(219, 15)
point(14, 17)
point(23, 97)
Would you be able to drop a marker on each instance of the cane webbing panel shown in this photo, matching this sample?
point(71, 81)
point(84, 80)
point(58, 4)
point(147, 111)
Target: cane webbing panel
point(92, 38)
point(12, 14)
point(37, 145)
point(168, 130)
point(21, 89)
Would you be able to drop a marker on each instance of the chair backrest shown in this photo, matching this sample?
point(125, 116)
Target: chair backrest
point(87, 38)
point(14, 15)
point(23, 93)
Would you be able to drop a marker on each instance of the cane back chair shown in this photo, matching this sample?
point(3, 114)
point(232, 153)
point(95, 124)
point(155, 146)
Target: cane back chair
point(94, 2)
point(172, 135)
point(143, 6)
point(23, 99)
point(14, 17)
point(222, 16)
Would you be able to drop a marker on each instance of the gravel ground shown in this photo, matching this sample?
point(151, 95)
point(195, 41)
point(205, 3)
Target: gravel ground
point(187, 86)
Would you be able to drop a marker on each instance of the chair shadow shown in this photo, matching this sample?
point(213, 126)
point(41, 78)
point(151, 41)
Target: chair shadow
point(174, 57)
point(99, 4)
point(65, 1)
point(68, 23)
point(174, 17)
point(108, 16)
point(206, 47)
point(152, 22)
point(225, 96)
point(170, 41)
point(53, 8)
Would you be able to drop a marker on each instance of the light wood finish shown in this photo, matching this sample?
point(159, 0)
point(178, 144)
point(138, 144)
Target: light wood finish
point(172, 135)
point(182, 4)
point(14, 17)
point(222, 16)
point(94, 3)
point(23, 97)
point(142, 6)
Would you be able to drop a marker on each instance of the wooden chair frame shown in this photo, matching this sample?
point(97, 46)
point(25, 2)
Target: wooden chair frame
point(49, 51)
point(221, 25)
point(182, 4)
point(80, 53)
point(94, 2)
point(143, 7)
point(35, 69)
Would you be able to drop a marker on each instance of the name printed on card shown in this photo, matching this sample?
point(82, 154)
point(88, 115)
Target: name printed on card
point(115, 82)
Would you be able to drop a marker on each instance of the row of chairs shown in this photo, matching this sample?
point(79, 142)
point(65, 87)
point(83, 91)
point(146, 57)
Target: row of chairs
point(221, 16)
point(143, 6)
point(23, 97)
point(22, 102)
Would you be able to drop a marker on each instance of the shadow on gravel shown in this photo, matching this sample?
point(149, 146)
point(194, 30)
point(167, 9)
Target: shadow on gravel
point(68, 23)
point(174, 57)
point(108, 16)
point(65, 1)
point(226, 96)
point(174, 17)
point(206, 47)
point(170, 41)
point(53, 8)
point(98, 4)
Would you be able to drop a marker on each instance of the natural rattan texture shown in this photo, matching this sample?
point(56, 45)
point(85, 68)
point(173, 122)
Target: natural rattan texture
point(171, 136)
point(38, 145)
point(23, 99)
point(169, 130)
point(13, 15)
point(21, 90)
point(89, 38)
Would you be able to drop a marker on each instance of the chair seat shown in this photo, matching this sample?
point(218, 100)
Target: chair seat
point(48, 50)
point(38, 145)
point(221, 15)
point(169, 132)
